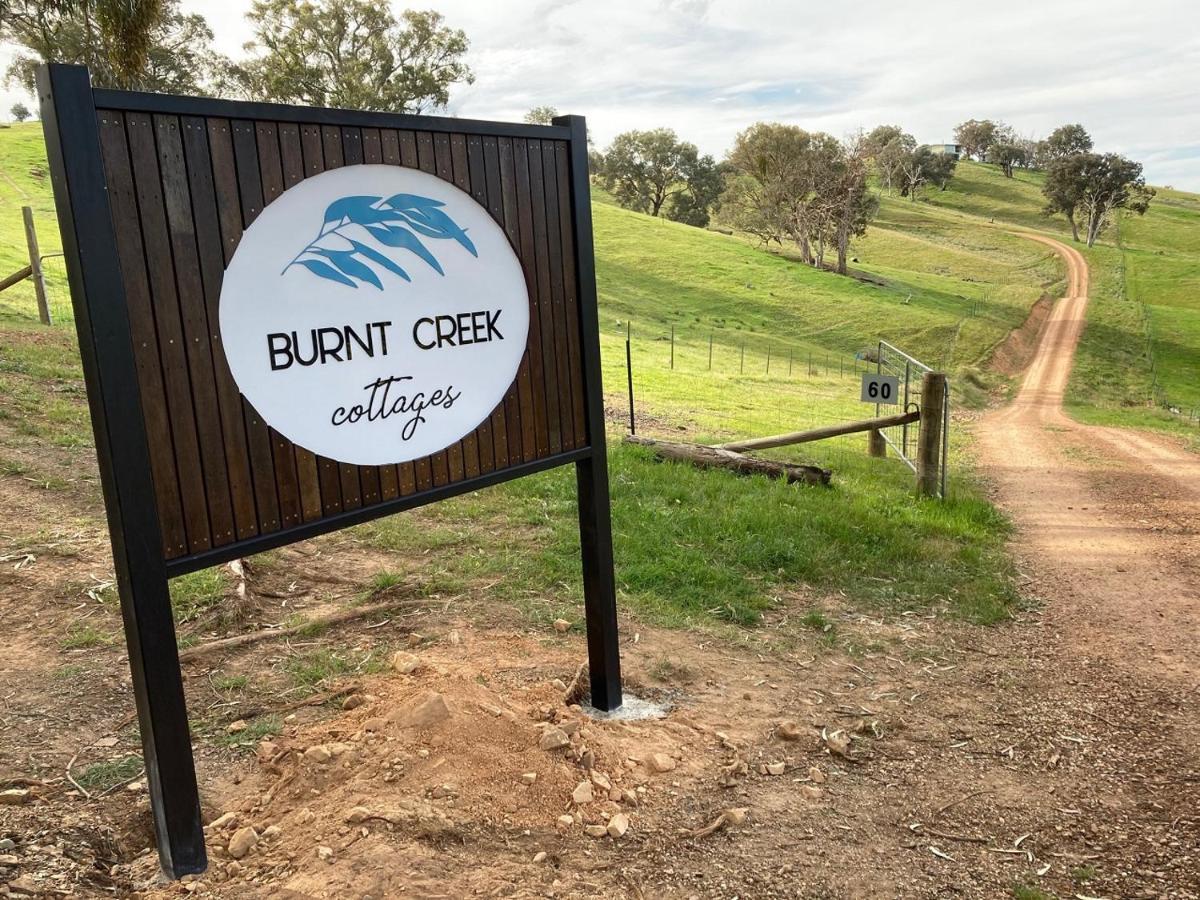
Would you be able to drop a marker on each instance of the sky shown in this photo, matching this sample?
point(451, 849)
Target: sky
point(710, 68)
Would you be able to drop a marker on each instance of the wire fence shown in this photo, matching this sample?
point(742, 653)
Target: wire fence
point(717, 386)
point(909, 373)
point(18, 294)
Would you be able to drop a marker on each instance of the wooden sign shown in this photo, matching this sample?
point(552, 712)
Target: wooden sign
point(293, 320)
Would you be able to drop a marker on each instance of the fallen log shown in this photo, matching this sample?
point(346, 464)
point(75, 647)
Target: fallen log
point(718, 458)
point(820, 434)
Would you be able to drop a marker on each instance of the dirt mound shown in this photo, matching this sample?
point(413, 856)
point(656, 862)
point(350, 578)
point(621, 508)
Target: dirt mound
point(427, 763)
point(1015, 352)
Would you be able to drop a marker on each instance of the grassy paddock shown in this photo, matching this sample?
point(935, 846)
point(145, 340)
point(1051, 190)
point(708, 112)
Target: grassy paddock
point(694, 545)
point(25, 181)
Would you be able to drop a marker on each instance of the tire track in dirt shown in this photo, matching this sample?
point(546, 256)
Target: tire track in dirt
point(1105, 516)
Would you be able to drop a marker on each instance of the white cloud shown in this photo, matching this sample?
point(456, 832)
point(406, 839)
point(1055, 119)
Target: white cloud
point(709, 68)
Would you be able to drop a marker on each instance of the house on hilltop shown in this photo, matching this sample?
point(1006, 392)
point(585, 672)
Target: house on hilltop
point(954, 150)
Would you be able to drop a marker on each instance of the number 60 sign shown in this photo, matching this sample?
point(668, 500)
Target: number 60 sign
point(879, 388)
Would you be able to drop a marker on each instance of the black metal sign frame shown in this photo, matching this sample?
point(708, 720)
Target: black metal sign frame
point(69, 108)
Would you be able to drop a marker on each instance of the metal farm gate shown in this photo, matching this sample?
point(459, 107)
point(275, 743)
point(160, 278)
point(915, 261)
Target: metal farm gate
point(891, 360)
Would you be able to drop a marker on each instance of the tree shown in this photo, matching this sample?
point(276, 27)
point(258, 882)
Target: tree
point(924, 166)
point(643, 169)
point(541, 115)
point(694, 206)
point(975, 136)
point(890, 157)
point(879, 137)
point(1094, 186)
point(1064, 141)
point(1111, 182)
point(914, 172)
point(20, 111)
point(130, 25)
point(353, 54)
point(788, 184)
point(854, 202)
point(772, 196)
point(1007, 155)
point(755, 207)
point(179, 57)
point(595, 163)
point(1064, 188)
point(939, 169)
point(112, 37)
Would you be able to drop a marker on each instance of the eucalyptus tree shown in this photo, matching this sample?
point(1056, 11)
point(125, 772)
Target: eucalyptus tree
point(541, 115)
point(788, 184)
point(975, 136)
point(1094, 187)
point(655, 172)
point(1007, 155)
point(147, 45)
point(354, 54)
point(891, 155)
point(1064, 141)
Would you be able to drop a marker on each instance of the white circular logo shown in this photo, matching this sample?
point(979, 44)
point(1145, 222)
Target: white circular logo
point(374, 314)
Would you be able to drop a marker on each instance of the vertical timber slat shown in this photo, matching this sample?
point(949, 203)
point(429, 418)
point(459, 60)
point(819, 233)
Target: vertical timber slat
point(181, 235)
point(291, 161)
point(128, 247)
point(143, 158)
point(212, 272)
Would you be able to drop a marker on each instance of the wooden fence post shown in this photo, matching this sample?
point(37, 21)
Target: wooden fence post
point(929, 438)
point(35, 266)
point(876, 445)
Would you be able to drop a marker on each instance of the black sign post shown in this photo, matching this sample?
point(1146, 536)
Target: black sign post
point(153, 193)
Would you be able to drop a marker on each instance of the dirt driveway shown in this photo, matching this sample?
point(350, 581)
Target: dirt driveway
point(1107, 516)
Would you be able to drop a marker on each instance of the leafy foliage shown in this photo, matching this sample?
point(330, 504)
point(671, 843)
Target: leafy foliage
point(1007, 155)
point(1095, 186)
point(922, 166)
point(975, 136)
point(20, 111)
point(692, 206)
point(890, 148)
point(1064, 141)
point(169, 52)
point(354, 54)
point(131, 25)
point(541, 115)
point(342, 251)
point(800, 186)
point(881, 136)
point(655, 172)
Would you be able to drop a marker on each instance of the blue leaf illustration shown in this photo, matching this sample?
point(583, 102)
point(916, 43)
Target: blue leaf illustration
point(411, 201)
point(344, 260)
point(376, 257)
point(438, 221)
point(399, 222)
point(348, 207)
point(326, 271)
point(402, 237)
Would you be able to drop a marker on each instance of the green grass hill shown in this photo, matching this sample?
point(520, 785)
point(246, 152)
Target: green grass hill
point(942, 278)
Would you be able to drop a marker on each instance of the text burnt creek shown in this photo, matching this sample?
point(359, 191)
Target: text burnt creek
point(386, 396)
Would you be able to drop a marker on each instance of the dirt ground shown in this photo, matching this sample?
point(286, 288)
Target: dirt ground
point(912, 757)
